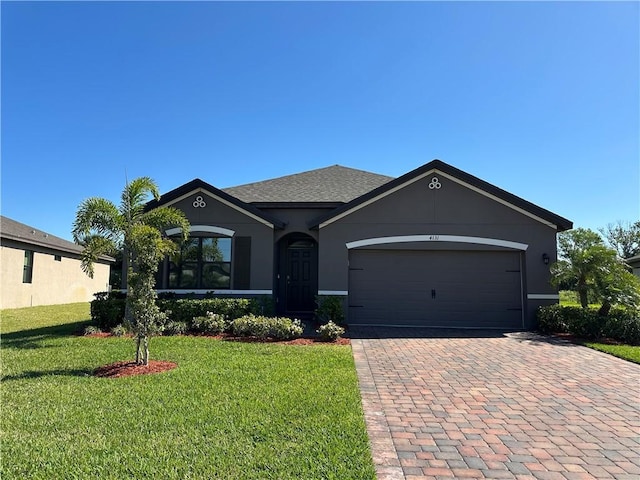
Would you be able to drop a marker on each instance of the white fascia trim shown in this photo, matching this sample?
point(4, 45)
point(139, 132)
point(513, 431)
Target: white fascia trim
point(203, 228)
point(220, 292)
point(334, 292)
point(437, 238)
point(223, 201)
point(454, 179)
point(543, 296)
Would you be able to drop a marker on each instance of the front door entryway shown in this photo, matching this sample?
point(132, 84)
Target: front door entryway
point(298, 274)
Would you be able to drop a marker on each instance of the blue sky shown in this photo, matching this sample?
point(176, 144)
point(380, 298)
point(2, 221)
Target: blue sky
point(538, 98)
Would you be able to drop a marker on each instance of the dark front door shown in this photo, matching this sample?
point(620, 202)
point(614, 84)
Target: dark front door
point(301, 276)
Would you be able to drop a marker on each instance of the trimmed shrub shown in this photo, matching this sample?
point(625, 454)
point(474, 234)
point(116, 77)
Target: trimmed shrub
point(185, 309)
point(107, 310)
point(119, 331)
point(621, 325)
point(277, 328)
point(175, 328)
point(551, 319)
point(209, 324)
point(330, 309)
point(584, 322)
point(330, 332)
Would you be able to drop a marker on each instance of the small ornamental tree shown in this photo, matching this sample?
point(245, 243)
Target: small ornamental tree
point(103, 228)
point(586, 262)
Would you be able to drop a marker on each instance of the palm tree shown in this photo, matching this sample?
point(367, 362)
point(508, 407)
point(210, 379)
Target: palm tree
point(103, 228)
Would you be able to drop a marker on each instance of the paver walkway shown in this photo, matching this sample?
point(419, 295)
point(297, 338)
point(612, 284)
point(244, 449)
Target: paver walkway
point(496, 406)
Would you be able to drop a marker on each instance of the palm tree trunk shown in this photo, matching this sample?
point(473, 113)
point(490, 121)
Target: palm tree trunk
point(145, 357)
point(582, 292)
point(138, 350)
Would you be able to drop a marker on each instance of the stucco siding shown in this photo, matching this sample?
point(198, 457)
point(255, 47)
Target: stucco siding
point(53, 282)
point(215, 213)
point(452, 209)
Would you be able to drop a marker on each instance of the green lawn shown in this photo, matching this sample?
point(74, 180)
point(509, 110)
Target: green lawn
point(628, 352)
point(230, 410)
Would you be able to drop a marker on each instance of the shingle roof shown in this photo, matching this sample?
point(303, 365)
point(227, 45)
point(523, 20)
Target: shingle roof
point(329, 184)
point(13, 230)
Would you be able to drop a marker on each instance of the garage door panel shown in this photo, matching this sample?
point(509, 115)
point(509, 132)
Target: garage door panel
point(435, 288)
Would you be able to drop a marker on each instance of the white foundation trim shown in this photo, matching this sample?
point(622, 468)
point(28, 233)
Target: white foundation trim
point(203, 228)
point(436, 238)
point(543, 296)
point(333, 292)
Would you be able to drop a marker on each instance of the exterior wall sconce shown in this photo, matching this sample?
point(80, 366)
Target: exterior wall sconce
point(545, 259)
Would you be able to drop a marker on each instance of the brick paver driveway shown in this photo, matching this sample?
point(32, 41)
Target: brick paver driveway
point(496, 406)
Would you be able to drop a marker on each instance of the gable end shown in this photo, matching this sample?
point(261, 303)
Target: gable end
point(462, 178)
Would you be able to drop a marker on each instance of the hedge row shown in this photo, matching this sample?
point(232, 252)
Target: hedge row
point(620, 325)
point(107, 310)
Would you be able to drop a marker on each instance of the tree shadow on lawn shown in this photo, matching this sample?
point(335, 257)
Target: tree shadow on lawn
point(72, 372)
point(33, 338)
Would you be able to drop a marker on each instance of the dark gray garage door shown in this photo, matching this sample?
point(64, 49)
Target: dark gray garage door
point(470, 289)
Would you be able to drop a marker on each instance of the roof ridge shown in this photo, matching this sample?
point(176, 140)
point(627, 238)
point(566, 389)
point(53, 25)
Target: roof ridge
point(315, 170)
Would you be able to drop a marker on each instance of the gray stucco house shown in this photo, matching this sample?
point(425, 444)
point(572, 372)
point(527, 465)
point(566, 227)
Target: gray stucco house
point(434, 247)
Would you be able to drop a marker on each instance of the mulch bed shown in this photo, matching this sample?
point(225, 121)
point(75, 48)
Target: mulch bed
point(127, 369)
point(130, 368)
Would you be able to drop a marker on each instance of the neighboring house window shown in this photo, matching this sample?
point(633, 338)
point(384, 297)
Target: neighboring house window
point(27, 270)
point(57, 258)
point(201, 263)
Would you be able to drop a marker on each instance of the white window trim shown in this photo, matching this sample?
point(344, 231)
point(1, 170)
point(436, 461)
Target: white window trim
point(543, 296)
point(436, 238)
point(203, 228)
point(334, 292)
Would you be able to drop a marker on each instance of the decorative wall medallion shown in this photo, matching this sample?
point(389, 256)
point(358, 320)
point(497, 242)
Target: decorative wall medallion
point(199, 202)
point(435, 183)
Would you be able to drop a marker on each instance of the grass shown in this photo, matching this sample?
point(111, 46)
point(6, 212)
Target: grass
point(630, 353)
point(627, 352)
point(230, 410)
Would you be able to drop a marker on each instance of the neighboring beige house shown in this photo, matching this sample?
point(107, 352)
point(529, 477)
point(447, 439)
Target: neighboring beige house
point(37, 268)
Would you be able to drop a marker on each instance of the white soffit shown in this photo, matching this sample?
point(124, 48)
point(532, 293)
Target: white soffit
point(224, 202)
point(450, 177)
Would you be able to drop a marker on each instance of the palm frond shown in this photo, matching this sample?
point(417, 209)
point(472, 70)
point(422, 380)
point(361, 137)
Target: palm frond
point(135, 195)
point(97, 216)
point(164, 218)
point(94, 247)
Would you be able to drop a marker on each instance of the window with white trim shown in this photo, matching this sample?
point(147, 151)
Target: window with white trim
point(201, 263)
